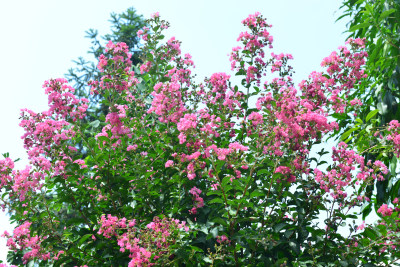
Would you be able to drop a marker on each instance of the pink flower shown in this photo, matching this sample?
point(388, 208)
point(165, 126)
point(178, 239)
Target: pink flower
point(361, 226)
point(131, 147)
point(169, 163)
point(282, 169)
point(385, 210)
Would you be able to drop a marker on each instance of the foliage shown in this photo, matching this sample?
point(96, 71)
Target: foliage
point(379, 23)
point(179, 173)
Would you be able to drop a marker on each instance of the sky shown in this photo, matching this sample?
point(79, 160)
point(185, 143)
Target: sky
point(42, 37)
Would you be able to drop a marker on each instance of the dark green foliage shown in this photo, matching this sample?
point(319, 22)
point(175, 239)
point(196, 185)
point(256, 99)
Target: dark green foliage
point(378, 21)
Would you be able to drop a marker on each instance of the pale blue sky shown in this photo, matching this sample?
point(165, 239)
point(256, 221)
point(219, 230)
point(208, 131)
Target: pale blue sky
point(41, 37)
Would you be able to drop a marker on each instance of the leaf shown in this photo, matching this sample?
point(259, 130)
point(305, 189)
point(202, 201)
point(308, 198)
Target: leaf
point(95, 123)
point(359, 26)
point(220, 221)
point(368, 232)
point(382, 107)
point(386, 13)
point(371, 114)
point(262, 171)
point(240, 72)
point(213, 233)
point(257, 193)
point(103, 138)
point(369, 8)
point(216, 200)
point(280, 226)
point(83, 239)
point(366, 210)
point(347, 134)
point(394, 192)
point(393, 165)
point(294, 246)
point(149, 57)
point(288, 233)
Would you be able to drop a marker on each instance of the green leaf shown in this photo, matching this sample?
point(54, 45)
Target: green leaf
point(347, 134)
point(371, 114)
point(262, 171)
point(371, 234)
point(83, 239)
point(240, 72)
point(294, 246)
point(359, 26)
point(95, 123)
point(386, 13)
point(382, 107)
point(366, 210)
point(220, 221)
point(369, 8)
point(393, 165)
point(103, 138)
point(149, 56)
point(280, 226)
point(216, 200)
point(257, 193)
point(394, 192)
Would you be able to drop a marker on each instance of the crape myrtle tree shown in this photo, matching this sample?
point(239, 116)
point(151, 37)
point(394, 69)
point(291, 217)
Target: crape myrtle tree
point(378, 21)
point(186, 174)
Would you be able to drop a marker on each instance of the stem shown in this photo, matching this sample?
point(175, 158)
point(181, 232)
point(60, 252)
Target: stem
point(327, 229)
point(269, 190)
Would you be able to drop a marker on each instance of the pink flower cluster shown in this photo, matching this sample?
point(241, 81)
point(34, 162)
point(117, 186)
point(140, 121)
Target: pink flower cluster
point(340, 176)
point(110, 223)
point(223, 239)
point(296, 122)
point(394, 136)
point(167, 102)
point(6, 167)
point(115, 129)
point(344, 71)
point(253, 42)
point(117, 60)
point(189, 121)
point(62, 102)
point(46, 134)
point(42, 133)
point(256, 118)
point(22, 240)
point(155, 239)
point(222, 153)
point(385, 210)
point(199, 202)
point(286, 171)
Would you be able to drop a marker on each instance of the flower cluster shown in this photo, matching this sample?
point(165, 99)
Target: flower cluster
point(145, 244)
point(22, 239)
point(340, 176)
point(394, 136)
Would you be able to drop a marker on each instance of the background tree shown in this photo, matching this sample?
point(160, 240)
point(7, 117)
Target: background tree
point(378, 21)
point(124, 28)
